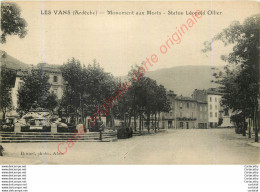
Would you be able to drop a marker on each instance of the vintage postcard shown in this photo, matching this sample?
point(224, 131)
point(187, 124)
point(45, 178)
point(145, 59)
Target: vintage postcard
point(129, 82)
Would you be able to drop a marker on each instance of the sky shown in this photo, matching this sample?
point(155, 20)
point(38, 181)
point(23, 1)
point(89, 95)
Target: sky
point(118, 42)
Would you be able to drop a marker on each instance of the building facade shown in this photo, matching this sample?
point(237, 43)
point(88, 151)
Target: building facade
point(202, 114)
point(217, 115)
point(14, 91)
point(185, 113)
point(167, 120)
point(214, 109)
point(55, 79)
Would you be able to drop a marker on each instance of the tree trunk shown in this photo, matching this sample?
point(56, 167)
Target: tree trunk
point(112, 117)
point(244, 127)
point(129, 120)
point(140, 122)
point(155, 123)
point(135, 122)
point(255, 124)
point(76, 116)
point(3, 117)
point(152, 122)
point(159, 118)
point(148, 126)
point(124, 121)
point(134, 107)
point(249, 128)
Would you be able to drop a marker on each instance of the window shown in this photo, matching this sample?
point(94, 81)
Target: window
point(216, 107)
point(188, 115)
point(226, 112)
point(180, 114)
point(180, 105)
point(210, 99)
point(210, 114)
point(216, 99)
point(200, 108)
point(210, 106)
point(20, 84)
point(55, 79)
point(55, 91)
point(216, 114)
point(205, 108)
point(170, 114)
point(188, 105)
point(192, 114)
point(192, 105)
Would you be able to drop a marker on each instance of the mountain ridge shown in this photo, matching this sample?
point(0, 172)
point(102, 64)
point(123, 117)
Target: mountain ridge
point(11, 62)
point(181, 79)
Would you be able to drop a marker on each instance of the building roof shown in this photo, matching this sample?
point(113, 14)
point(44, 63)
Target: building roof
point(185, 98)
point(170, 92)
point(201, 93)
point(214, 91)
point(182, 98)
point(49, 67)
point(202, 102)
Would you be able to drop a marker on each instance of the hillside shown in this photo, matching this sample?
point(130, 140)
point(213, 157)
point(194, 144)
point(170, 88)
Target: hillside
point(184, 79)
point(11, 62)
point(181, 79)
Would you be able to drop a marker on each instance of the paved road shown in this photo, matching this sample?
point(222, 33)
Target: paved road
point(193, 146)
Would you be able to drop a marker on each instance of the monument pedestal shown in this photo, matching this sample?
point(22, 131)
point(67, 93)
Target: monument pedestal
point(78, 127)
point(54, 128)
point(17, 128)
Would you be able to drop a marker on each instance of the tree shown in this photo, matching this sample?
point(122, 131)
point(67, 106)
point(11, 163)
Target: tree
point(138, 99)
point(238, 120)
point(35, 92)
point(75, 78)
point(86, 87)
point(51, 101)
point(123, 108)
point(240, 79)
point(7, 81)
point(11, 21)
point(163, 104)
point(145, 99)
point(150, 88)
point(101, 85)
